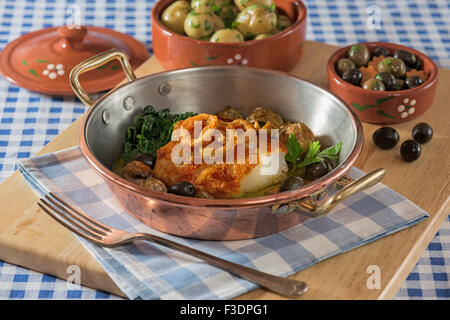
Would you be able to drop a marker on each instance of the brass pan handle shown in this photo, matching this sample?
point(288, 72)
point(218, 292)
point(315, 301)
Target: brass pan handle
point(316, 208)
point(93, 63)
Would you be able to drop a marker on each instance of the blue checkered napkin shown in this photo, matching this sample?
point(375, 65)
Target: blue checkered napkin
point(147, 271)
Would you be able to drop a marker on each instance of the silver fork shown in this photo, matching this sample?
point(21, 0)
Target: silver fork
point(106, 236)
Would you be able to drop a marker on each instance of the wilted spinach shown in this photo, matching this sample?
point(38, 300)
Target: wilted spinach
point(152, 130)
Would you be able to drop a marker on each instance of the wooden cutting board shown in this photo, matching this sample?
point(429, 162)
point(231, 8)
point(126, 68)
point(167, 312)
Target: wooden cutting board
point(29, 238)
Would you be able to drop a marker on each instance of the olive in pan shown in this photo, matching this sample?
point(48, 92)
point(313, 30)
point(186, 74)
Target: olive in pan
point(359, 54)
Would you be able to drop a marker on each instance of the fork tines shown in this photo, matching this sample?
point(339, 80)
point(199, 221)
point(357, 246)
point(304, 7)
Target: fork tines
point(73, 219)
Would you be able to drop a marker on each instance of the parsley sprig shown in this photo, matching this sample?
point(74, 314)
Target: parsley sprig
point(313, 153)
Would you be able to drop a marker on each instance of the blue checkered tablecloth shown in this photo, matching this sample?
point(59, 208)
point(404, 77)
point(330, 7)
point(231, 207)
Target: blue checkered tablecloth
point(29, 120)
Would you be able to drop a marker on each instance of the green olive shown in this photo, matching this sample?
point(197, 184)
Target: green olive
point(242, 4)
point(200, 25)
point(343, 65)
point(255, 20)
point(359, 54)
point(174, 15)
point(219, 4)
point(227, 35)
point(374, 84)
point(392, 65)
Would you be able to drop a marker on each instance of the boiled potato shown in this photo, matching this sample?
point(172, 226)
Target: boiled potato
point(262, 36)
point(228, 13)
point(208, 5)
point(174, 15)
point(242, 4)
point(283, 22)
point(227, 35)
point(202, 5)
point(218, 23)
point(255, 20)
point(200, 25)
point(219, 4)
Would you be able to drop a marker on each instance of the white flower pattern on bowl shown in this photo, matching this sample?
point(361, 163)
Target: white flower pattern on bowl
point(53, 71)
point(238, 58)
point(405, 109)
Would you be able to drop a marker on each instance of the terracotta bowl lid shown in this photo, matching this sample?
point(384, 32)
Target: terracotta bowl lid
point(42, 60)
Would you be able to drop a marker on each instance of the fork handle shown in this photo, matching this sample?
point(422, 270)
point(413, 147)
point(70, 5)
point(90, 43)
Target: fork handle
point(283, 286)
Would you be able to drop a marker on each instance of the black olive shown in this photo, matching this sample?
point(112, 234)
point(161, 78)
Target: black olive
point(316, 170)
point(413, 81)
point(388, 79)
point(292, 183)
point(182, 189)
point(381, 51)
point(408, 58)
point(353, 76)
point(385, 137)
point(146, 158)
point(422, 132)
point(410, 150)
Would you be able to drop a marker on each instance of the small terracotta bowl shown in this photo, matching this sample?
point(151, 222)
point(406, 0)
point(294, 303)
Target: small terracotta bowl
point(281, 52)
point(384, 107)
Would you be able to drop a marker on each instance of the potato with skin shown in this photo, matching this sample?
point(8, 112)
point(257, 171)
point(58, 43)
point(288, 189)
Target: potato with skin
point(218, 23)
point(200, 25)
point(283, 22)
point(219, 4)
point(174, 15)
point(263, 36)
point(202, 5)
point(263, 116)
point(303, 134)
point(242, 4)
point(255, 20)
point(227, 35)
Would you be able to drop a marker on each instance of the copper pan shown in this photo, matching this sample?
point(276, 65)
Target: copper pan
point(208, 89)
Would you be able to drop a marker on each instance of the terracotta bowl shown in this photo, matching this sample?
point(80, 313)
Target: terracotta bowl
point(280, 52)
point(384, 107)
